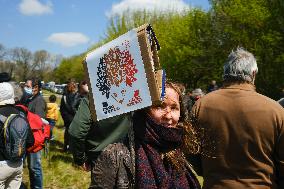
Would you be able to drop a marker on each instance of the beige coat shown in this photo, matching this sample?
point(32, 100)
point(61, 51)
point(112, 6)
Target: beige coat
point(243, 139)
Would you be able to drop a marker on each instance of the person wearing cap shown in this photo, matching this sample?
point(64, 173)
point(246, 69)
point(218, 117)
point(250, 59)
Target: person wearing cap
point(36, 105)
point(10, 171)
point(196, 94)
point(242, 129)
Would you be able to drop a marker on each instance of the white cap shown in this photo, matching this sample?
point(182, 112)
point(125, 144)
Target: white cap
point(197, 92)
point(6, 94)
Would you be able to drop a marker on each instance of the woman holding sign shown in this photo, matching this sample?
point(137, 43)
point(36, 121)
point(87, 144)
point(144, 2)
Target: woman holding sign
point(151, 156)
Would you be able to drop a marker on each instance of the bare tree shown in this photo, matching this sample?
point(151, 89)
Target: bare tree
point(5, 64)
point(55, 60)
point(40, 61)
point(3, 52)
point(23, 58)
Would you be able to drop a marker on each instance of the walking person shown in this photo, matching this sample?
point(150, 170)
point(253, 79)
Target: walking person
point(36, 105)
point(244, 131)
point(52, 113)
point(68, 109)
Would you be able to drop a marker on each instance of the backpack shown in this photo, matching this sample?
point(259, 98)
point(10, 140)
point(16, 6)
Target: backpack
point(41, 130)
point(15, 130)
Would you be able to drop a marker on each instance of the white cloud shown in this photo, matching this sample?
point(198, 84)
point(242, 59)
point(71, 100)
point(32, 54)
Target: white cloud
point(148, 5)
point(34, 7)
point(68, 39)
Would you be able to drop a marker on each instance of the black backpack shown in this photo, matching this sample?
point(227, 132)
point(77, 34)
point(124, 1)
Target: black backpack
point(15, 131)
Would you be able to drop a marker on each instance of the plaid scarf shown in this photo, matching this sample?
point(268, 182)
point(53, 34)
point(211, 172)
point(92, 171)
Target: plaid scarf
point(152, 170)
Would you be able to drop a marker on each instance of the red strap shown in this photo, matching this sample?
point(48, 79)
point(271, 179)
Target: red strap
point(23, 107)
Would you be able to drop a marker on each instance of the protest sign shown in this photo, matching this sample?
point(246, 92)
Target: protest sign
point(123, 74)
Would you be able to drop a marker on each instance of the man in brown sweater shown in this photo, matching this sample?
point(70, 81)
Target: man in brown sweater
point(243, 131)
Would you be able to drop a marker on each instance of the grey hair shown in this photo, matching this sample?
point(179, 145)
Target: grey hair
point(240, 66)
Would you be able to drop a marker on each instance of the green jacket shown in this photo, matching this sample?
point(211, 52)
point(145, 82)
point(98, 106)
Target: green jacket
point(89, 138)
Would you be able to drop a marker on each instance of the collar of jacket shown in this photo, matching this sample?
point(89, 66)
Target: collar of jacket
point(240, 86)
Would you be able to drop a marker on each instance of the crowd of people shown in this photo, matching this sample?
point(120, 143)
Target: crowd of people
point(232, 136)
point(29, 95)
point(224, 138)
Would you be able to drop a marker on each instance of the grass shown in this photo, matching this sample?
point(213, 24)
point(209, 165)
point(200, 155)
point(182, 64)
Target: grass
point(58, 168)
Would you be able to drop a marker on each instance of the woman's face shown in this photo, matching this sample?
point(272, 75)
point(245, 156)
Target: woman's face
point(84, 89)
point(35, 90)
point(168, 112)
point(71, 87)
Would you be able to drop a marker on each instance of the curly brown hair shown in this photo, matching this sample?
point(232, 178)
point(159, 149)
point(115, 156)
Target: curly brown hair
point(191, 141)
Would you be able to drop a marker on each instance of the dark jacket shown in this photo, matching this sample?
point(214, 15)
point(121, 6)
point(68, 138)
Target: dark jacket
point(7, 110)
point(121, 158)
point(122, 175)
point(243, 139)
point(68, 106)
point(88, 138)
point(37, 105)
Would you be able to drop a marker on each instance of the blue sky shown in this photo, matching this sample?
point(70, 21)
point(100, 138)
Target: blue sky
point(68, 27)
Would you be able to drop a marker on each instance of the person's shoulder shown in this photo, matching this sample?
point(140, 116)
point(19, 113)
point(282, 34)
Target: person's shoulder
point(9, 109)
point(265, 99)
point(38, 97)
point(267, 102)
point(83, 105)
point(84, 100)
point(41, 96)
point(54, 104)
point(51, 105)
point(210, 96)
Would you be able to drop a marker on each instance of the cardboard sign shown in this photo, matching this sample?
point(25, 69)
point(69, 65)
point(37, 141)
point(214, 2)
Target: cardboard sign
point(121, 75)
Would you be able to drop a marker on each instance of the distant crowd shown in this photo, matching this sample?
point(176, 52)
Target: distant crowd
point(230, 135)
point(22, 99)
